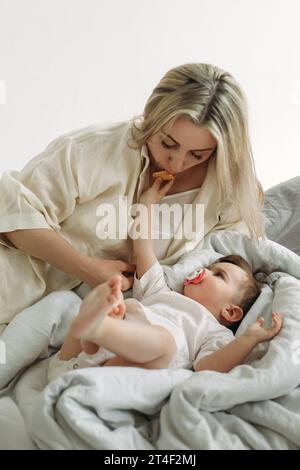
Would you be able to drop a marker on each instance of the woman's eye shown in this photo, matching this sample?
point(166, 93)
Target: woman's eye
point(166, 145)
point(199, 157)
point(163, 143)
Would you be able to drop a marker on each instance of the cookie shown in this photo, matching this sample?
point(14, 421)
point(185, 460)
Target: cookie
point(164, 175)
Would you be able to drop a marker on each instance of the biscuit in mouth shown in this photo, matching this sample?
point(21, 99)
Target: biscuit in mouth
point(164, 175)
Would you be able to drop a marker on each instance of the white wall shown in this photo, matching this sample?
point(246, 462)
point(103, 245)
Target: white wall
point(67, 64)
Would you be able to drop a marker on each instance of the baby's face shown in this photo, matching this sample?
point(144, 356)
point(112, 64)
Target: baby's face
point(219, 288)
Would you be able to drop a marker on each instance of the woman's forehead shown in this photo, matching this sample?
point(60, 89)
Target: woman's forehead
point(186, 132)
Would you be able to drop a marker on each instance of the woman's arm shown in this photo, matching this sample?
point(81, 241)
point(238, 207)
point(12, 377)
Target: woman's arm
point(236, 352)
point(47, 245)
point(36, 201)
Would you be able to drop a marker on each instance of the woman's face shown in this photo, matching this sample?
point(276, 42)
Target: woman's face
point(181, 146)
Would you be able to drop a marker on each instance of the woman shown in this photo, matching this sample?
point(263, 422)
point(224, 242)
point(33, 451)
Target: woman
point(194, 126)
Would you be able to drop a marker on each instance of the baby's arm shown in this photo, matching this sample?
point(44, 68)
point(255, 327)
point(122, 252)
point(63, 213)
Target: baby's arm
point(144, 255)
point(236, 352)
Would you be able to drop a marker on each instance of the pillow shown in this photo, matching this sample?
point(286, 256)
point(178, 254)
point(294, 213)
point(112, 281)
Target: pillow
point(282, 214)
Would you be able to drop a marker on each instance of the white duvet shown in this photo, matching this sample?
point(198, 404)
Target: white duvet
point(255, 406)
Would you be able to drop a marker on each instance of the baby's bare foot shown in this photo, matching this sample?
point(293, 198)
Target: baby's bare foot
point(100, 302)
point(118, 312)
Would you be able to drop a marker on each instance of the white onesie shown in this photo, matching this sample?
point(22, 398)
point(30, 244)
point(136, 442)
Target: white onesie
point(196, 331)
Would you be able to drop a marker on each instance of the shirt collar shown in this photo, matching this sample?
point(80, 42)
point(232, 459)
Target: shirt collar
point(145, 153)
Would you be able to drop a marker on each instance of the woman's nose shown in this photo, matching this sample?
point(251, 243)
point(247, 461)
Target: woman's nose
point(177, 164)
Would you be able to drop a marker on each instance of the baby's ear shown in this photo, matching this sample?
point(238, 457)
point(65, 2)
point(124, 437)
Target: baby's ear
point(232, 313)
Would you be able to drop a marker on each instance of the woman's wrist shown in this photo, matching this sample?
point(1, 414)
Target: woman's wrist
point(85, 269)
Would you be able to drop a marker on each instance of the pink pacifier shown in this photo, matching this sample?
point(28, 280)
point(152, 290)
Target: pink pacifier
point(195, 278)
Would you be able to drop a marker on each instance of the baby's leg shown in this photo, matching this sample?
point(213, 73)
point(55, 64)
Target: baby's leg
point(73, 346)
point(136, 342)
point(160, 363)
point(100, 302)
point(92, 348)
point(132, 341)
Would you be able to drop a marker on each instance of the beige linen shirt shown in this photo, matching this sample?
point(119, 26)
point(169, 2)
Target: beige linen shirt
point(62, 188)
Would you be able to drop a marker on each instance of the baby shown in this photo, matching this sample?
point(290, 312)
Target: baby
point(160, 328)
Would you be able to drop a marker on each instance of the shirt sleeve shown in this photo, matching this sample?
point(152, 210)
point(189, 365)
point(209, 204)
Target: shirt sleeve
point(152, 282)
point(213, 343)
point(43, 194)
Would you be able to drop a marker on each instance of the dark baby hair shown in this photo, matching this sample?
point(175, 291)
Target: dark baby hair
point(250, 289)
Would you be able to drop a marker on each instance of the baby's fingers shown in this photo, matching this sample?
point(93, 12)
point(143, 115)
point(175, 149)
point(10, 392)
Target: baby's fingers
point(164, 187)
point(276, 324)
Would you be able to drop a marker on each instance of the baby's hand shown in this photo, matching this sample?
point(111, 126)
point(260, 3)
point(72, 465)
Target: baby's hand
point(158, 190)
point(265, 334)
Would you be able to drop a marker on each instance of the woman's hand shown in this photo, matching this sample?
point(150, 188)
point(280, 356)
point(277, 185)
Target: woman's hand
point(158, 190)
point(260, 333)
point(95, 271)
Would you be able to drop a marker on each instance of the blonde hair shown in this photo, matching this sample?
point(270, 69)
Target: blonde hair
point(212, 98)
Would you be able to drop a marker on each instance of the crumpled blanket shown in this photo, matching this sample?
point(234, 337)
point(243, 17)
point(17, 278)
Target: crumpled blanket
point(255, 406)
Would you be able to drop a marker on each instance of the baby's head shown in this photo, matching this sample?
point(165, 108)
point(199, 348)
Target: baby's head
point(227, 289)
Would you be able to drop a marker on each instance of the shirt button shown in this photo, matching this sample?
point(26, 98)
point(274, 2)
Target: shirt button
point(75, 366)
